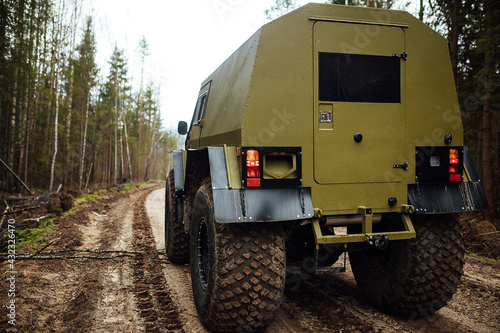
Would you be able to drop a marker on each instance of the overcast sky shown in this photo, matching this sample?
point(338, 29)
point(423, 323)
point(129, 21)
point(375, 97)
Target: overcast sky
point(187, 40)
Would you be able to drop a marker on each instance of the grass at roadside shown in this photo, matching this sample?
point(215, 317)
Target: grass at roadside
point(493, 260)
point(33, 237)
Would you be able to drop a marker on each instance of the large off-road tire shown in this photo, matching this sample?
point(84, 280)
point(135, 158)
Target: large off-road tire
point(176, 240)
point(414, 278)
point(301, 248)
point(237, 270)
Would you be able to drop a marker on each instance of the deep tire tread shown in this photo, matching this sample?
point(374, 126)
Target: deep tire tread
point(428, 282)
point(176, 239)
point(250, 277)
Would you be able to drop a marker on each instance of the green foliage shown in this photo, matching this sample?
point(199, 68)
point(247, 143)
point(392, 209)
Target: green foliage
point(34, 236)
point(90, 197)
point(280, 8)
point(130, 187)
point(493, 260)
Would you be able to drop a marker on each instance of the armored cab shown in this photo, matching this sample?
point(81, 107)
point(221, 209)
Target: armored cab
point(333, 129)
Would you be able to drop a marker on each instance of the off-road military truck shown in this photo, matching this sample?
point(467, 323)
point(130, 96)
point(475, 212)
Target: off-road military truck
point(328, 119)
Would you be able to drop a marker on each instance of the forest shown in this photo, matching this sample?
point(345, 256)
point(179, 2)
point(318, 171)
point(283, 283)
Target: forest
point(64, 122)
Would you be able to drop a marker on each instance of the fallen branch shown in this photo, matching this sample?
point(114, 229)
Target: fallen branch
point(94, 251)
point(20, 210)
point(4, 213)
point(16, 176)
point(46, 246)
point(49, 254)
point(72, 257)
point(37, 219)
point(489, 233)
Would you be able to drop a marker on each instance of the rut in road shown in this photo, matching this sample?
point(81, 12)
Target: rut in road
point(153, 298)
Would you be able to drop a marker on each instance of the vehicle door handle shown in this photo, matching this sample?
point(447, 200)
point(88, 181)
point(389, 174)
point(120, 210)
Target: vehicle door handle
point(403, 166)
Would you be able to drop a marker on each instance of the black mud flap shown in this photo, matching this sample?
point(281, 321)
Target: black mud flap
point(450, 198)
point(178, 171)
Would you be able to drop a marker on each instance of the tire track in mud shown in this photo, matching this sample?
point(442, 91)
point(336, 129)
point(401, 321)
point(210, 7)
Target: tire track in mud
point(333, 303)
point(153, 297)
point(179, 279)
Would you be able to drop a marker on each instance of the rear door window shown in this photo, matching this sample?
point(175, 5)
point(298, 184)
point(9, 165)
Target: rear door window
point(359, 78)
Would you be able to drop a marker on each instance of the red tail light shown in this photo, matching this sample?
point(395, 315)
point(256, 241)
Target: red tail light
point(455, 176)
point(253, 168)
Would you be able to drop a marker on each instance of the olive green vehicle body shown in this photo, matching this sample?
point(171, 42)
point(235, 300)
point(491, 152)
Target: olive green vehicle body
point(332, 129)
point(266, 95)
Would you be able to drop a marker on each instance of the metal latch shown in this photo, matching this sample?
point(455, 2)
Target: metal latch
point(325, 116)
point(403, 166)
point(403, 55)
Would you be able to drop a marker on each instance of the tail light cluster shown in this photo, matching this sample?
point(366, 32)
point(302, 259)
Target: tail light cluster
point(455, 175)
point(439, 164)
point(253, 168)
point(271, 166)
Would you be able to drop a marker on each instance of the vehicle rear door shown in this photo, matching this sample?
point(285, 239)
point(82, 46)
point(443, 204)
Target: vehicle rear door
point(359, 102)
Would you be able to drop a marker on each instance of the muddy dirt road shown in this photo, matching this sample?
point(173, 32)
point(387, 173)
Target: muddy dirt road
point(105, 272)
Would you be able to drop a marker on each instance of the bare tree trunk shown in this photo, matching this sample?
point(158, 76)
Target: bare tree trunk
point(487, 161)
point(122, 173)
point(128, 150)
point(26, 140)
point(68, 123)
point(148, 162)
point(88, 175)
point(12, 132)
point(456, 27)
point(117, 92)
point(115, 173)
point(421, 11)
point(23, 125)
point(75, 19)
point(52, 165)
point(84, 143)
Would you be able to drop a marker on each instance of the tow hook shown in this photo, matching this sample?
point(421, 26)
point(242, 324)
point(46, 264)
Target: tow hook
point(379, 241)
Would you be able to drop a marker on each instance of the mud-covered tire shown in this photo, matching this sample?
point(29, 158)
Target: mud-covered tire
point(237, 270)
point(414, 278)
point(176, 240)
point(301, 248)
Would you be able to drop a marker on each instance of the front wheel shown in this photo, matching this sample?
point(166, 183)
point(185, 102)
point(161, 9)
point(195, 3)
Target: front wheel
point(237, 270)
point(414, 277)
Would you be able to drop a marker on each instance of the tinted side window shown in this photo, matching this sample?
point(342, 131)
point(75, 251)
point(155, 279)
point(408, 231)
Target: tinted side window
point(202, 102)
point(359, 78)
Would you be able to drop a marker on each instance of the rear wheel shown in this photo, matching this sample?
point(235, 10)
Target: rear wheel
point(176, 240)
point(415, 277)
point(237, 270)
point(301, 248)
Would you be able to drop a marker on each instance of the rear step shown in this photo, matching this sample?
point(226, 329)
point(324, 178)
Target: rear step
point(367, 235)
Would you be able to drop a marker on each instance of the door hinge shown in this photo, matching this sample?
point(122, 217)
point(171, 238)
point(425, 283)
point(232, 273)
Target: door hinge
point(403, 55)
